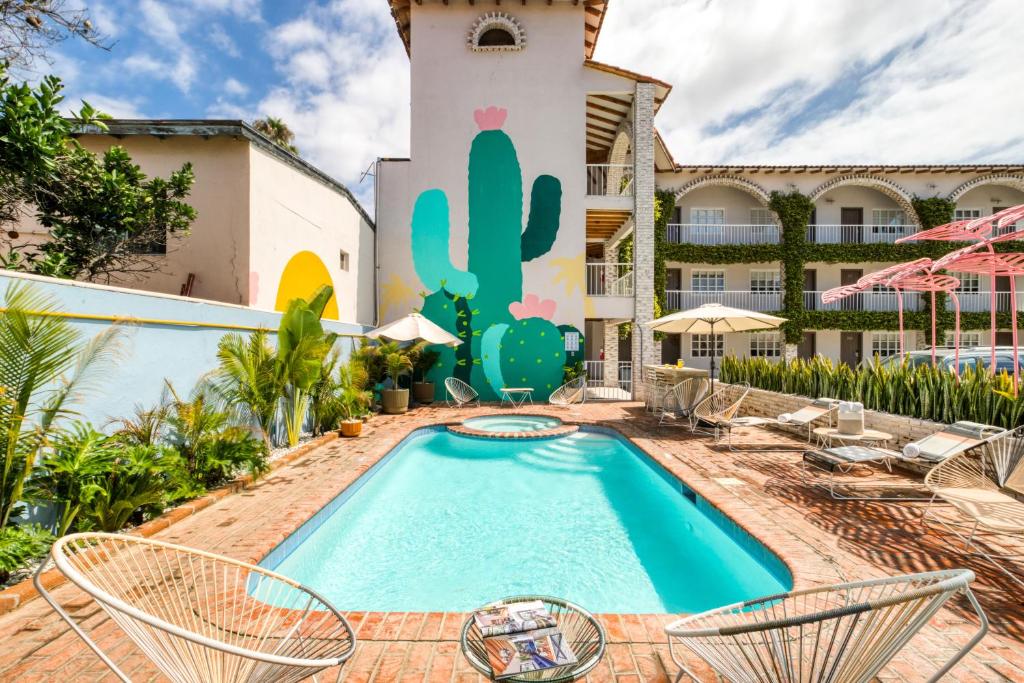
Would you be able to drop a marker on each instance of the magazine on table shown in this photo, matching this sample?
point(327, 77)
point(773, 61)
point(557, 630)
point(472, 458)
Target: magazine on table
point(518, 653)
point(514, 617)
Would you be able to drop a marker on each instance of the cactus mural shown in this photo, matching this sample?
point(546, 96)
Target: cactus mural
point(509, 339)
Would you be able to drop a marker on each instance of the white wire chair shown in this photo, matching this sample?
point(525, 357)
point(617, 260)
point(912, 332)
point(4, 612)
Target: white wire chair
point(571, 393)
point(1005, 454)
point(839, 634)
point(458, 394)
point(965, 483)
point(200, 616)
point(718, 409)
point(681, 399)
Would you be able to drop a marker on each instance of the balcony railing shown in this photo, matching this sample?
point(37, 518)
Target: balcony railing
point(864, 301)
point(597, 371)
point(857, 234)
point(702, 233)
point(609, 180)
point(977, 302)
point(609, 279)
point(677, 300)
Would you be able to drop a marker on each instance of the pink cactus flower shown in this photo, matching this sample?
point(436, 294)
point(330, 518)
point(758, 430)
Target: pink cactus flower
point(532, 307)
point(491, 118)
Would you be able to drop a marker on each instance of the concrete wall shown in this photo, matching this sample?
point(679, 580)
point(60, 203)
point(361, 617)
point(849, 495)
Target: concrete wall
point(293, 213)
point(152, 352)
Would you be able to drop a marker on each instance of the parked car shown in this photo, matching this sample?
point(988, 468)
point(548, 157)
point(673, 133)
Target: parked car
point(970, 357)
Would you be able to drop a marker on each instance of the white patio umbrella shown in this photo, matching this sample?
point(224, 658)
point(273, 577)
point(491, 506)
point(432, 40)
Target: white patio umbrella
point(414, 327)
point(705, 319)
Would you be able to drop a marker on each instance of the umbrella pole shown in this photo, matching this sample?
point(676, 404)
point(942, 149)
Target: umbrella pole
point(713, 349)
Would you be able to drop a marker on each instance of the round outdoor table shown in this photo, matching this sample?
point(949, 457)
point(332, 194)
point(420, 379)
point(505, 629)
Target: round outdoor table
point(581, 630)
point(826, 435)
point(517, 396)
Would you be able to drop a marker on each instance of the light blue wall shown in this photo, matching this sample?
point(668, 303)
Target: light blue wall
point(153, 352)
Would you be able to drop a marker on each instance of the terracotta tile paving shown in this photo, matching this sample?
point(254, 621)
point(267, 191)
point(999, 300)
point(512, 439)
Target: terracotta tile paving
point(821, 540)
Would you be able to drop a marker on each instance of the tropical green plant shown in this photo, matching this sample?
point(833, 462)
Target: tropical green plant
point(45, 369)
point(302, 345)
point(423, 358)
point(324, 407)
point(145, 428)
point(923, 391)
point(372, 355)
point(571, 372)
point(354, 399)
point(140, 478)
point(397, 365)
point(19, 545)
point(278, 132)
point(248, 381)
point(212, 448)
point(71, 474)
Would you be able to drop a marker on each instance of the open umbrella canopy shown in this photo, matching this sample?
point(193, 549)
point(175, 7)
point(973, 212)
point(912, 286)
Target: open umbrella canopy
point(414, 327)
point(714, 318)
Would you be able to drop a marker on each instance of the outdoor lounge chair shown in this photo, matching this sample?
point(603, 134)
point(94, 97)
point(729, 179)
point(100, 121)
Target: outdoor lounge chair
point(931, 450)
point(458, 394)
point(572, 392)
point(680, 400)
point(838, 634)
point(718, 410)
point(974, 490)
point(805, 417)
point(200, 616)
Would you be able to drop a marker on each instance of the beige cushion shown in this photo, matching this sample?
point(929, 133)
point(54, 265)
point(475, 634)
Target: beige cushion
point(992, 509)
point(1015, 482)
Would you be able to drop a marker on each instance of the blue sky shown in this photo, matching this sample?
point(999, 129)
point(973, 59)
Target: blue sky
point(756, 81)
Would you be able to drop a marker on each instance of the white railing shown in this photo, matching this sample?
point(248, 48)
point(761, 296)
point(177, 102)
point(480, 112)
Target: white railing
point(598, 388)
point(864, 301)
point(976, 302)
point(857, 234)
point(609, 180)
point(702, 233)
point(609, 279)
point(677, 300)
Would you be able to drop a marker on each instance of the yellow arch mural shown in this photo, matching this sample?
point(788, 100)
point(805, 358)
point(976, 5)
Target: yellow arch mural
point(303, 275)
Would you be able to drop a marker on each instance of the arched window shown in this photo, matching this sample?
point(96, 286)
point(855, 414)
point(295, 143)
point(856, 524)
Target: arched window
point(495, 32)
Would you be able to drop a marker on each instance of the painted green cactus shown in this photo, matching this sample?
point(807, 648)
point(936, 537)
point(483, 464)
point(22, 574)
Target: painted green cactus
point(503, 332)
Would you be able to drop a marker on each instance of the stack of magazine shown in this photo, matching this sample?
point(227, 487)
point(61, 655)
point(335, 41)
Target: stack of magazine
point(521, 637)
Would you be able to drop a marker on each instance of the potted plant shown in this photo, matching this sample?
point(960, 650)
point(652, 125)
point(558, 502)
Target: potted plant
point(396, 400)
point(353, 398)
point(423, 359)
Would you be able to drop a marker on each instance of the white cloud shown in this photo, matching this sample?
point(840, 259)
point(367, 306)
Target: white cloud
point(158, 23)
point(119, 108)
point(801, 81)
point(225, 43)
point(181, 71)
point(233, 86)
point(244, 9)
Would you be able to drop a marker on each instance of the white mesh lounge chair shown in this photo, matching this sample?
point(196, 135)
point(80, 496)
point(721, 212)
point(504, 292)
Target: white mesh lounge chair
point(834, 634)
point(681, 399)
point(805, 417)
point(719, 409)
point(572, 392)
point(1006, 457)
point(458, 394)
point(931, 450)
point(973, 489)
point(199, 616)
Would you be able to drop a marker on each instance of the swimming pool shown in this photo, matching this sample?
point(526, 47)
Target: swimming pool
point(447, 523)
point(512, 423)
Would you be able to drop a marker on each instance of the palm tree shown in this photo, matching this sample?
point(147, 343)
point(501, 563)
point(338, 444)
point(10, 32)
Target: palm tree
point(44, 369)
point(278, 132)
point(247, 381)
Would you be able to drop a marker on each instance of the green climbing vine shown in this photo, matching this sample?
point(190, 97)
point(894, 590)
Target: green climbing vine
point(794, 210)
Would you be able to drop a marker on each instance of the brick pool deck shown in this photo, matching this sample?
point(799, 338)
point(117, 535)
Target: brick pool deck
point(822, 541)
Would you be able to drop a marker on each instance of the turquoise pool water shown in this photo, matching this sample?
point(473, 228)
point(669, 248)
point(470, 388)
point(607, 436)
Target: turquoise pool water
point(512, 423)
point(447, 523)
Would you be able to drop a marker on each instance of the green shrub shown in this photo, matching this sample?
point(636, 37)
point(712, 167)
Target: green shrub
point(923, 391)
point(19, 545)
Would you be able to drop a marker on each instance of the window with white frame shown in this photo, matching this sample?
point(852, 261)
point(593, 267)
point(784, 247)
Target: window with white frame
point(761, 216)
point(765, 281)
point(966, 339)
point(762, 225)
point(707, 345)
point(966, 214)
point(766, 344)
point(707, 223)
point(970, 283)
point(707, 280)
point(885, 344)
point(887, 221)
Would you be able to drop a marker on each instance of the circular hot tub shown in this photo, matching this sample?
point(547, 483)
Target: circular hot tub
point(513, 427)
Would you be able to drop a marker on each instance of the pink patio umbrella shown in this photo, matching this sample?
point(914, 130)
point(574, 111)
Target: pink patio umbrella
point(924, 281)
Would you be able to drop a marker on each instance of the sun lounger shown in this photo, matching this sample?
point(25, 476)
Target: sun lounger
point(931, 450)
point(805, 417)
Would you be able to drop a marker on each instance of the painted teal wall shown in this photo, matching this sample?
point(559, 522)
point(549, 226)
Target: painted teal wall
point(153, 353)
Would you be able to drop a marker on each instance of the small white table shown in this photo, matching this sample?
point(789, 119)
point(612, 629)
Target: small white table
point(826, 435)
point(517, 396)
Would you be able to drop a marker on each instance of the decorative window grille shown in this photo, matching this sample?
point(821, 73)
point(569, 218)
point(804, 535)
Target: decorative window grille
point(885, 344)
point(970, 283)
point(707, 281)
point(765, 281)
point(706, 345)
point(967, 339)
point(495, 32)
point(766, 344)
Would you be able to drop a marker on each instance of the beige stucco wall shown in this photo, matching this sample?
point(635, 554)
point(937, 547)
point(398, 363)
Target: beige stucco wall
point(737, 203)
point(292, 212)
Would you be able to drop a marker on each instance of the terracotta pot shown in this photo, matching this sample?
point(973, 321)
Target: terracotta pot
point(395, 401)
point(351, 427)
point(423, 392)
